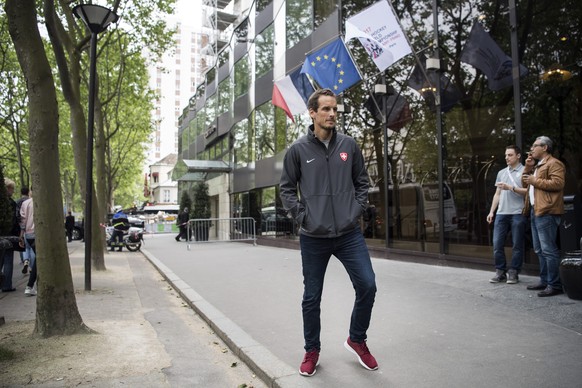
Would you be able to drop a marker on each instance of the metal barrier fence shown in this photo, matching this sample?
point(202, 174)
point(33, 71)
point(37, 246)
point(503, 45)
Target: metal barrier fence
point(222, 229)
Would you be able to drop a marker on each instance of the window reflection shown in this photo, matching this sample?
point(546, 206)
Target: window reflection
point(264, 48)
point(264, 134)
point(299, 23)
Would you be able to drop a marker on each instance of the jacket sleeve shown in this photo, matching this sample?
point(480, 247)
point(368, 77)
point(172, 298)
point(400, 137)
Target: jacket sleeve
point(360, 178)
point(289, 180)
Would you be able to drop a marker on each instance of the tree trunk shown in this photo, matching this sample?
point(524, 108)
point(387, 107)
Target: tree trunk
point(56, 305)
point(70, 77)
point(100, 169)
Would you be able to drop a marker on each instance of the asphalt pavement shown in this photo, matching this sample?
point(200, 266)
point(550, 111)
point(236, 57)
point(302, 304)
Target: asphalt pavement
point(432, 326)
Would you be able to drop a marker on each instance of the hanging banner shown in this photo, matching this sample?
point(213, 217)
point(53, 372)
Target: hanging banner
point(378, 30)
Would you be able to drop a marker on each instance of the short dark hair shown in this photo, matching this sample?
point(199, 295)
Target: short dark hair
point(515, 148)
point(24, 190)
point(313, 102)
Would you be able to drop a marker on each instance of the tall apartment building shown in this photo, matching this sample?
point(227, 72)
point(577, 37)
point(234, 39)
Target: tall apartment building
point(175, 76)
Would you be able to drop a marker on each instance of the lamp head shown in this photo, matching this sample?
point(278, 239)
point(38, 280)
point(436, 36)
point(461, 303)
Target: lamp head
point(95, 17)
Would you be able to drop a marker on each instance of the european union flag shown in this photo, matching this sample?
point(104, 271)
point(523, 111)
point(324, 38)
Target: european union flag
point(332, 67)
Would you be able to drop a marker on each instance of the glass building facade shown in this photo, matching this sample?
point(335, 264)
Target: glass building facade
point(432, 169)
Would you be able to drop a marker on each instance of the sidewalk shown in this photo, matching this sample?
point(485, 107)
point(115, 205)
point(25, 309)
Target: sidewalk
point(147, 335)
point(431, 326)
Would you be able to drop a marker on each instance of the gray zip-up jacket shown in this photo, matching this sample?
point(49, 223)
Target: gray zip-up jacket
point(332, 182)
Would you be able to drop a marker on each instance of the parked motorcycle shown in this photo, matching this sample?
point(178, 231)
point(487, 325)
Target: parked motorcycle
point(132, 238)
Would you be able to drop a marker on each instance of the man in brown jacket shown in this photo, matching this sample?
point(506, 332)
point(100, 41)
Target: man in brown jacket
point(544, 203)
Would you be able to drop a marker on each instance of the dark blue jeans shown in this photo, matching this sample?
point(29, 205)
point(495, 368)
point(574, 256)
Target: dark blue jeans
point(544, 231)
point(7, 267)
point(352, 252)
point(503, 224)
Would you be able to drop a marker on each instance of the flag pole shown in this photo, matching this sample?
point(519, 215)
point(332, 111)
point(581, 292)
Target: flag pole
point(515, 72)
point(341, 36)
point(415, 53)
point(439, 132)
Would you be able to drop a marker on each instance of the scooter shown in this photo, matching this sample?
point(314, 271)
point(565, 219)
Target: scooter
point(132, 238)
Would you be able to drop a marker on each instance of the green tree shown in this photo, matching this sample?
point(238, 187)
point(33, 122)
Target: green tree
point(69, 38)
point(126, 101)
point(201, 201)
point(13, 113)
point(186, 202)
point(56, 308)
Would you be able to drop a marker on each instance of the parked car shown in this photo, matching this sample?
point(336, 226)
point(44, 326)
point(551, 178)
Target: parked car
point(277, 221)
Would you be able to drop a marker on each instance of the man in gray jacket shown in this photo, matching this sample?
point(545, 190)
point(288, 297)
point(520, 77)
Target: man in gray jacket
point(324, 185)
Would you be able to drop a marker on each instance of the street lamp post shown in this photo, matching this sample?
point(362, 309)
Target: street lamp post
point(97, 19)
point(556, 77)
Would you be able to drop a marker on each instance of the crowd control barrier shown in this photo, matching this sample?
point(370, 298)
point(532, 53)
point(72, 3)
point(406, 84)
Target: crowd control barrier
point(221, 230)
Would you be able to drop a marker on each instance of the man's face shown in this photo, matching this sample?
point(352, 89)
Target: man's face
point(326, 114)
point(10, 190)
point(511, 158)
point(537, 150)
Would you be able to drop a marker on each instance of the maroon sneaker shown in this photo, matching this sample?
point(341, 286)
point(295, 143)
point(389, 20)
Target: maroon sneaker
point(309, 363)
point(363, 353)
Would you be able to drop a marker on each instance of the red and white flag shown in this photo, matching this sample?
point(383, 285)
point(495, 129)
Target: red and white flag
point(291, 93)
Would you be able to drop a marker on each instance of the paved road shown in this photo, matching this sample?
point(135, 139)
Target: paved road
point(431, 326)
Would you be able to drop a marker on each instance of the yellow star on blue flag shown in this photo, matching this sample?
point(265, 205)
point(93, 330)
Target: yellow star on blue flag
point(332, 67)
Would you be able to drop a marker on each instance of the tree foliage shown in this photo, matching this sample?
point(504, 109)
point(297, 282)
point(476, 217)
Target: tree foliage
point(201, 206)
point(56, 311)
point(13, 112)
point(186, 202)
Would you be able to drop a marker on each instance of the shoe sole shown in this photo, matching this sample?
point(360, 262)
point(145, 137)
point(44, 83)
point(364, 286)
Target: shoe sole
point(512, 281)
point(534, 288)
point(349, 348)
point(307, 374)
point(496, 281)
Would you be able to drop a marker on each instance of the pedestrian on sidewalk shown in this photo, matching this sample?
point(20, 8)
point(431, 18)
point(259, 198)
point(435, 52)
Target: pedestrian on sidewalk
point(544, 203)
point(28, 238)
point(7, 260)
point(508, 202)
point(324, 185)
point(25, 258)
point(69, 225)
point(182, 222)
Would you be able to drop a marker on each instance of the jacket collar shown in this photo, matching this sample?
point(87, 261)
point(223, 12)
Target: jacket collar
point(312, 137)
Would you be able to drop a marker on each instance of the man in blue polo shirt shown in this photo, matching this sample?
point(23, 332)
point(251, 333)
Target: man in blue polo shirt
point(508, 201)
